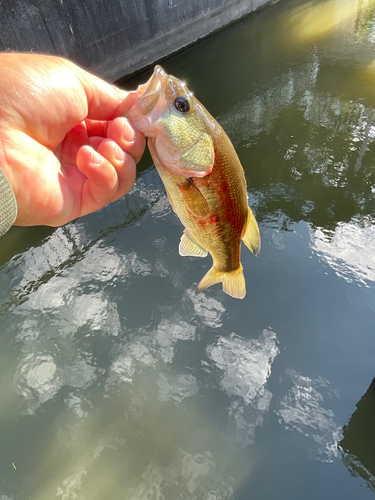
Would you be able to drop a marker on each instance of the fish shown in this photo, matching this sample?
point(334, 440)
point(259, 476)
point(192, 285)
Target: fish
point(202, 175)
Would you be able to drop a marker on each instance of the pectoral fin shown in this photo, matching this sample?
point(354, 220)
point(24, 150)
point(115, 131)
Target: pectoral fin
point(193, 198)
point(190, 248)
point(251, 236)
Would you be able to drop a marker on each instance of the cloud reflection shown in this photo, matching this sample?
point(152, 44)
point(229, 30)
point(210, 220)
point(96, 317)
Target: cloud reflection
point(191, 476)
point(246, 367)
point(246, 364)
point(303, 409)
point(176, 387)
point(40, 377)
point(349, 249)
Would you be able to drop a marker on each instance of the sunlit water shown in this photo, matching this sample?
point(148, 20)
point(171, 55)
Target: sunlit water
point(118, 382)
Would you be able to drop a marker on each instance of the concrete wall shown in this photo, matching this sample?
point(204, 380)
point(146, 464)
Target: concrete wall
point(113, 37)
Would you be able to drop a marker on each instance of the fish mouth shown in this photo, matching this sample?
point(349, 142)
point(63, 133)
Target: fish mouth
point(150, 102)
point(155, 99)
point(160, 84)
point(152, 91)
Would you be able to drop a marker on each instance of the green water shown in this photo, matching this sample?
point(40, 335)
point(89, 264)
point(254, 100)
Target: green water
point(118, 382)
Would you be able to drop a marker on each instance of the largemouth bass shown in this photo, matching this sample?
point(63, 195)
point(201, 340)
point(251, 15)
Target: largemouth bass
point(202, 175)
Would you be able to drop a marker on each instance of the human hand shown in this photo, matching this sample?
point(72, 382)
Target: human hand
point(64, 145)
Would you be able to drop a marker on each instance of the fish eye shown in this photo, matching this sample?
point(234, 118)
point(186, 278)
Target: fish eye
point(182, 104)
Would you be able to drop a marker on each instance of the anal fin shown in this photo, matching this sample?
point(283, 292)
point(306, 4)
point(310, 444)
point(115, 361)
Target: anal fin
point(189, 248)
point(251, 236)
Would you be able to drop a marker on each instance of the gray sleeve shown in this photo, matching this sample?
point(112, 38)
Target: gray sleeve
point(8, 205)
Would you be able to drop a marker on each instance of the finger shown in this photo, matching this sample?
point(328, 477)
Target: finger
point(95, 142)
point(129, 139)
point(126, 177)
point(75, 139)
point(101, 184)
point(110, 174)
point(121, 131)
point(123, 163)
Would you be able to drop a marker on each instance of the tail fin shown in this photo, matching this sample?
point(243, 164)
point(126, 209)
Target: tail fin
point(233, 282)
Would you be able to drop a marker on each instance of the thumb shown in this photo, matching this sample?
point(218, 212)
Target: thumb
point(105, 101)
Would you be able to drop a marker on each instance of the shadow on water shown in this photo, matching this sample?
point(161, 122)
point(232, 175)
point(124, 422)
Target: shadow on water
point(118, 381)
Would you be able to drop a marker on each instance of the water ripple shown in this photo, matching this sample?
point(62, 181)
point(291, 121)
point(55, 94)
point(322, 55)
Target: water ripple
point(246, 366)
point(349, 249)
point(303, 409)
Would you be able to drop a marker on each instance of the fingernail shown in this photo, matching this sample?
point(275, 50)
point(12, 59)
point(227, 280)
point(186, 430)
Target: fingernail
point(119, 154)
point(96, 158)
point(128, 132)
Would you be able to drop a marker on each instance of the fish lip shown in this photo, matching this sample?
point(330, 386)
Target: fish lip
point(158, 70)
point(152, 91)
point(155, 83)
point(168, 83)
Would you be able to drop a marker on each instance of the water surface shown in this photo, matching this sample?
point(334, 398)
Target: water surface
point(118, 382)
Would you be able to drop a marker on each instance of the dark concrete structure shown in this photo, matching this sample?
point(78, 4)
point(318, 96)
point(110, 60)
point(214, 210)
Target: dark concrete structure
point(113, 37)
point(358, 442)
